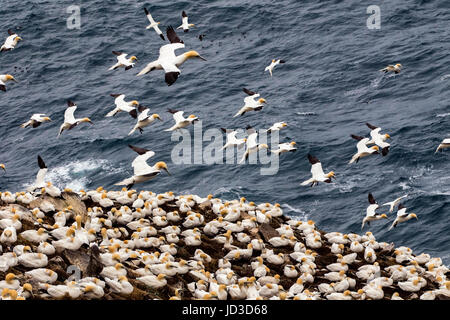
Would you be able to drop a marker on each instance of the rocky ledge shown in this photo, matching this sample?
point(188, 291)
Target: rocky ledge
point(128, 245)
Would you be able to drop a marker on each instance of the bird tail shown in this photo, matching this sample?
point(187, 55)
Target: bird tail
point(354, 158)
point(112, 113)
point(126, 182)
point(132, 131)
point(393, 225)
point(26, 124)
point(306, 182)
point(238, 114)
point(113, 67)
point(438, 148)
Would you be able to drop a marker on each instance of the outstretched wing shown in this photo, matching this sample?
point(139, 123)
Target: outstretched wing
point(249, 92)
point(172, 35)
point(371, 199)
point(359, 138)
point(312, 159)
point(140, 165)
point(149, 16)
point(68, 114)
point(140, 151)
point(372, 127)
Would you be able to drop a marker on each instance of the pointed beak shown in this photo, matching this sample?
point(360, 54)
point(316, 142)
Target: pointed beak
point(167, 170)
point(200, 57)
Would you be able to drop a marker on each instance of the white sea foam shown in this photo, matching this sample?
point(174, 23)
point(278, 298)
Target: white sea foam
point(442, 115)
point(299, 213)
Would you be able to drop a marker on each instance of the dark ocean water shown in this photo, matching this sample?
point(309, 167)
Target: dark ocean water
point(327, 90)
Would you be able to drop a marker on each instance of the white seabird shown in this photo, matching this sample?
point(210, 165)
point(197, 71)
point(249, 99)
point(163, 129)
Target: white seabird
point(277, 126)
point(363, 150)
point(142, 171)
point(285, 147)
point(123, 61)
point(185, 25)
point(252, 145)
point(443, 145)
point(144, 119)
point(371, 215)
point(39, 183)
point(392, 204)
point(392, 68)
point(69, 119)
point(5, 78)
point(317, 173)
point(35, 120)
point(167, 59)
point(10, 42)
point(379, 139)
point(273, 64)
point(180, 121)
point(153, 24)
point(402, 216)
point(250, 103)
point(232, 140)
point(122, 105)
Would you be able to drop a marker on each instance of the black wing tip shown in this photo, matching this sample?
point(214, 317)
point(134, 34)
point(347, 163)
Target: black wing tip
point(354, 136)
point(248, 127)
point(133, 113)
point(371, 126)
point(401, 206)
point(371, 199)
point(117, 53)
point(146, 11)
point(385, 151)
point(171, 77)
point(115, 95)
point(41, 162)
point(70, 103)
point(139, 150)
point(183, 14)
point(162, 37)
point(11, 32)
point(223, 130)
point(2, 87)
point(172, 111)
point(312, 159)
point(141, 108)
point(282, 61)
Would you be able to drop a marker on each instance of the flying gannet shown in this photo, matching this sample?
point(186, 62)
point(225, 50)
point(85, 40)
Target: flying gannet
point(402, 216)
point(363, 150)
point(180, 121)
point(2, 165)
point(232, 140)
point(153, 24)
point(273, 64)
point(39, 183)
point(317, 173)
point(277, 126)
point(142, 171)
point(35, 120)
point(443, 145)
point(122, 105)
point(11, 41)
point(392, 204)
point(250, 103)
point(167, 59)
point(392, 68)
point(184, 22)
point(379, 139)
point(69, 119)
point(285, 147)
point(371, 215)
point(5, 78)
point(123, 61)
point(144, 119)
point(252, 145)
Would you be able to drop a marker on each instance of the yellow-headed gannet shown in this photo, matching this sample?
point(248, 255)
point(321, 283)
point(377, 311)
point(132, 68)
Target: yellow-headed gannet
point(2, 165)
point(285, 147)
point(5, 78)
point(378, 139)
point(39, 183)
point(180, 121)
point(35, 120)
point(144, 119)
point(371, 215)
point(273, 64)
point(317, 173)
point(250, 103)
point(392, 204)
point(443, 145)
point(232, 140)
point(184, 22)
point(402, 216)
point(153, 24)
point(252, 145)
point(123, 61)
point(392, 68)
point(363, 150)
point(69, 119)
point(277, 126)
point(167, 59)
point(122, 105)
point(11, 41)
point(142, 171)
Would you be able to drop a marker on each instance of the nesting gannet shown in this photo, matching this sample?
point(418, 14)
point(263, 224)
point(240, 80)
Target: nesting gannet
point(39, 182)
point(379, 139)
point(143, 120)
point(167, 59)
point(232, 140)
point(142, 171)
point(184, 22)
point(402, 216)
point(250, 103)
point(392, 68)
point(153, 24)
point(10, 42)
point(252, 145)
point(363, 150)
point(392, 204)
point(443, 145)
point(122, 105)
point(317, 173)
point(371, 215)
point(180, 121)
point(273, 64)
point(5, 78)
point(122, 61)
point(285, 147)
point(69, 119)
